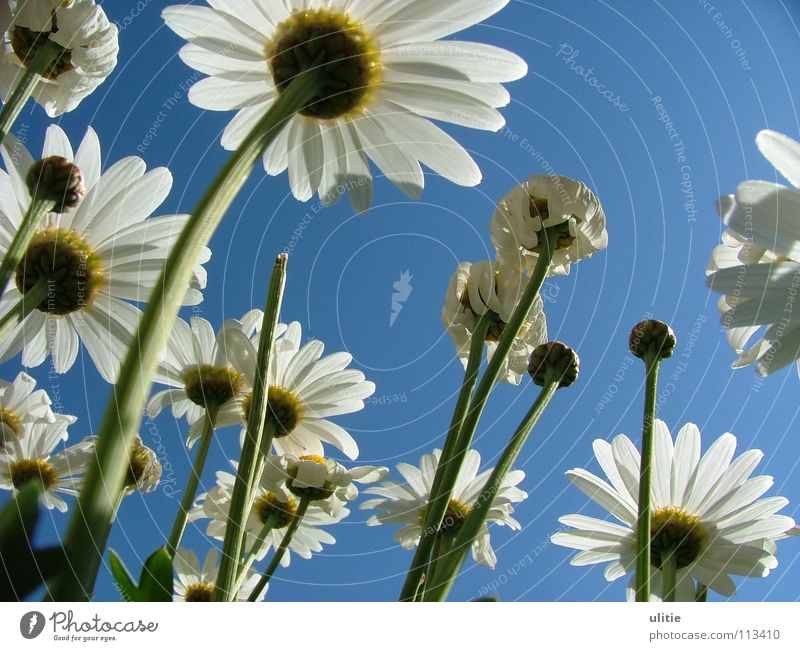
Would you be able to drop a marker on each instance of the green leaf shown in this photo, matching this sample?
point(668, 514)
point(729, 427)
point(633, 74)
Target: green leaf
point(155, 583)
point(123, 578)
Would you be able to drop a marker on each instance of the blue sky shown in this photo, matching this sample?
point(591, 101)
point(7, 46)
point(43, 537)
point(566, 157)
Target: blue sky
point(722, 71)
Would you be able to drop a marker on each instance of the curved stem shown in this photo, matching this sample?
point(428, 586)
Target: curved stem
point(122, 418)
point(255, 549)
point(450, 565)
point(281, 551)
point(449, 472)
point(46, 54)
point(669, 575)
point(257, 441)
point(19, 245)
point(643, 525)
point(27, 303)
point(179, 526)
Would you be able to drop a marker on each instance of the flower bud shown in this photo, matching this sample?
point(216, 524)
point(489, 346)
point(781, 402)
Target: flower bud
point(654, 337)
point(57, 179)
point(144, 469)
point(556, 360)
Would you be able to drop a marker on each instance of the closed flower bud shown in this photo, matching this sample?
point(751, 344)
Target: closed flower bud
point(57, 179)
point(555, 360)
point(654, 337)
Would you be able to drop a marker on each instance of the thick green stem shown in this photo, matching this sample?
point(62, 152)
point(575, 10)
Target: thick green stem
point(643, 533)
point(46, 54)
point(281, 551)
point(189, 493)
point(27, 303)
point(122, 418)
point(257, 440)
point(448, 567)
point(37, 209)
point(447, 473)
point(669, 575)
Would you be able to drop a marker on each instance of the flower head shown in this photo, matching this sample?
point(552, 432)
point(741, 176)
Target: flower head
point(706, 511)
point(385, 75)
point(496, 288)
point(406, 504)
point(144, 469)
point(21, 404)
point(194, 582)
point(548, 202)
point(84, 45)
point(94, 258)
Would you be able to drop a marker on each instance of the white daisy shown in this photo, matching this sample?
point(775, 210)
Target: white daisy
point(545, 201)
point(85, 41)
point(497, 288)
point(195, 583)
point(201, 368)
point(757, 268)
point(304, 390)
point(324, 481)
point(33, 456)
point(406, 504)
point(706, 511)
point(387, 74)
point(94, 258)
point(269, 501)
point(20, 404)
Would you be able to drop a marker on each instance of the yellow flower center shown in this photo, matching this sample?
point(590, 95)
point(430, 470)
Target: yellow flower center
point(10, 425)
point(24, 470)
point(211, 386)
point(270, 505)
point(68, 264)
point(284, 409)
point(340, 49)
point(454, 517)
point(673, 530)
point(26, 44)
point(198, 592)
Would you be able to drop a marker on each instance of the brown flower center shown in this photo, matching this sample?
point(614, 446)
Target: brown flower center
point(211, 386)
point(26, 44)
point(25, 470)
point(270, 505)
point(198, 592)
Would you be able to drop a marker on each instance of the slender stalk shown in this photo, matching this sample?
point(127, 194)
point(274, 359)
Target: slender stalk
point(189, 493)
point(701, 595)
point(37, 209)
point(27, 303)
point(449, 471)
point(281, 551)
point(122, 418)
point(255, 549)
point(436, 507)
point(669, 574)
point(449, 566)
point(643, 533)
point(45, 55)
point(257, 440)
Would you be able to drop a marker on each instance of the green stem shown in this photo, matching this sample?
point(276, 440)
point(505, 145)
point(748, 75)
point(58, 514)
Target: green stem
point(269, 525)
point(449, 567)
point(669, 575)
point(420, 566)
point(189, 493)
point(643, 533)
point(257, 440)
point(122, 418)
point(701, 595)
point(449, 471)
point(45, 55)
point(27, 303)
point(37, 209)
point(281, 551)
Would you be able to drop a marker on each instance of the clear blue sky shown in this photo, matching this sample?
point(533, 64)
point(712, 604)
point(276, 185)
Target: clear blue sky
point(722, 73)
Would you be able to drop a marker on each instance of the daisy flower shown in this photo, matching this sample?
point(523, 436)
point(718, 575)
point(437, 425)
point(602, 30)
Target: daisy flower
point(406, 504)
point(195, 583)
point(200, 367)
point(85, 43)
point(545, 201)
point(144, 469)
point(21, 404)
point(386, 72)
point(270, 502)
point(325, 482)
point(33, 456)
point(757, 268)
point(497, 288)
point(304, 390)
point(705, 511)
point(94, 258)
